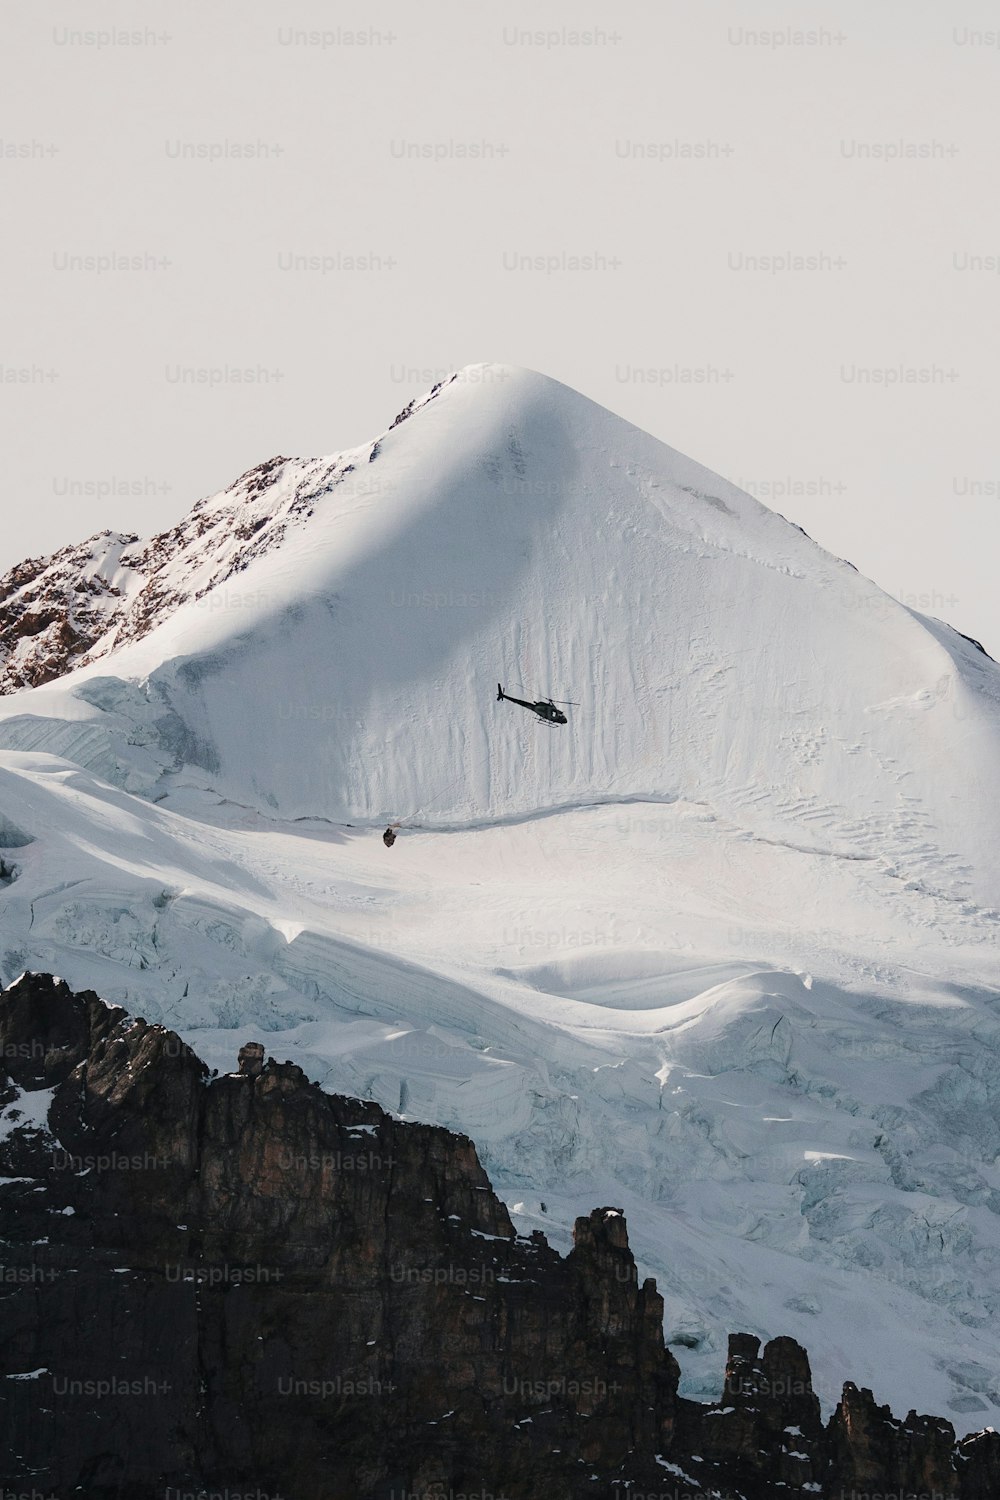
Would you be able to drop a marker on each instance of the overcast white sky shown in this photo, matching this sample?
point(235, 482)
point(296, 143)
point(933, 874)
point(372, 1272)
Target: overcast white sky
point(604, 195)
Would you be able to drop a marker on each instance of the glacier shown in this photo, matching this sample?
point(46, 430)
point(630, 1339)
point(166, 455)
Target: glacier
point(722, 950)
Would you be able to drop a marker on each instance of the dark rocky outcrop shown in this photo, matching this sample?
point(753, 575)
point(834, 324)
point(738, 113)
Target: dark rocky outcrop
point(768, 1407)
point(244, 1284)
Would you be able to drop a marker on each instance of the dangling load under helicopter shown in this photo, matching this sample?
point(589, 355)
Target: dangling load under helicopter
point(546, 709)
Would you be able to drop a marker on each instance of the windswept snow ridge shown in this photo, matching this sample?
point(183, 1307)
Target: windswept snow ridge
point(721, 949)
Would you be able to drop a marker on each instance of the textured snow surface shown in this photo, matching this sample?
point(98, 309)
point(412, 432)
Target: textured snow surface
point(722, 950)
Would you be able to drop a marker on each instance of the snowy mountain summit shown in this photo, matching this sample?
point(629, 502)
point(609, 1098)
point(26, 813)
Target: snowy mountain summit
point(721, 947)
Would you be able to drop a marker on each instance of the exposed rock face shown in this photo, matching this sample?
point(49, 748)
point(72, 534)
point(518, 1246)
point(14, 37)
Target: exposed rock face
point(251, 1059)
point(60, 612)
point(768, 1407)
point(920, 1450)
point(246, 1284)
point(54, 609)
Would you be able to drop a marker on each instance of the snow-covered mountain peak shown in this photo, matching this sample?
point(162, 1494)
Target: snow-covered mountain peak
point(357, 611)
point(720, 948)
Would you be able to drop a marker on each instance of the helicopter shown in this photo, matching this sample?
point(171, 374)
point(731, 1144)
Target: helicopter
point(545, 708)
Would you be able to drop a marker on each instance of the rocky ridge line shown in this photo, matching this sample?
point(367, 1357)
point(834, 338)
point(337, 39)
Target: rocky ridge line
point(74, 607)
point(244, 1283)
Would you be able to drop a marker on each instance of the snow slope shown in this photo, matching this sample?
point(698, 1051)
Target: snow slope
point(722, 949)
